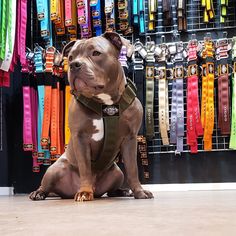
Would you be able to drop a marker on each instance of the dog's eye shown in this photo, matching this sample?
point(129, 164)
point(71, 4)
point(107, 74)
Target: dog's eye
point(96, 53)
point(70, 58)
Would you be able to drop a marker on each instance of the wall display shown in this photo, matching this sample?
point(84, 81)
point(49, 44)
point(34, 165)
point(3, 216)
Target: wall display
point(184, 85)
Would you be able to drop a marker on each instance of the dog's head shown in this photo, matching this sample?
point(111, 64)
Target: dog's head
point(93, 63)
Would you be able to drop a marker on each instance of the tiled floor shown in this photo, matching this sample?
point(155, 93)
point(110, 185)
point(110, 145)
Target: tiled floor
point(170, 213)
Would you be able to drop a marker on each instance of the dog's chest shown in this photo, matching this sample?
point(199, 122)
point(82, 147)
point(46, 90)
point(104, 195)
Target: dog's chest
point(98, 133)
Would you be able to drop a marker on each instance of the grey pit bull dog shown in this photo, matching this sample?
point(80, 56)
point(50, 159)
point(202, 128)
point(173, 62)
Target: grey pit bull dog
point(96, 76)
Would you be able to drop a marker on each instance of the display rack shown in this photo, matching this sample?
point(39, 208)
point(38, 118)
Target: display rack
point(194, 13)
point(195, 25)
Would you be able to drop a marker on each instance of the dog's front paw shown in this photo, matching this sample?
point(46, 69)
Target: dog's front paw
point(84, 194)
point(37, 195)
point(143, 194)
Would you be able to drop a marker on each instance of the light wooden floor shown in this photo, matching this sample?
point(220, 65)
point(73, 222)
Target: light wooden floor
point(170, 213)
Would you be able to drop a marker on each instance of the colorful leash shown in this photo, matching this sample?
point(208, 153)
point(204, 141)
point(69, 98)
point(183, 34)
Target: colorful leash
point(222, 48)
point(161, 53)
point(223, 10)
point(232, 143)
point(208, 7)
point(149, 116)
point(96, 15)
point(152, 8)
point(110, 15)
point(194, 126)
point(207, 110)
point(124, 15)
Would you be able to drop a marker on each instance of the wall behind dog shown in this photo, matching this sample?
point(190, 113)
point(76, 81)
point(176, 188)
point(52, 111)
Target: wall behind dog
point(16, 165)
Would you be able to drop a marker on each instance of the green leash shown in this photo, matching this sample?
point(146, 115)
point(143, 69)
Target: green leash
point(3, 28)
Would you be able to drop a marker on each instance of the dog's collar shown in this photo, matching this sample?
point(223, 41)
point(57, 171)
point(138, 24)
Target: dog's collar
point(126, 99)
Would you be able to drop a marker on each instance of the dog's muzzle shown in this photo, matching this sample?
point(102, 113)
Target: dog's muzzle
point(75, 66)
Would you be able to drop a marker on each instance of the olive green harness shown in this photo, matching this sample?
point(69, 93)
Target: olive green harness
point(110, 115)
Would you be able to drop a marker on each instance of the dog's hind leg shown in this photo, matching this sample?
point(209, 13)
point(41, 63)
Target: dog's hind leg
point(54, 181)
point(109, 181)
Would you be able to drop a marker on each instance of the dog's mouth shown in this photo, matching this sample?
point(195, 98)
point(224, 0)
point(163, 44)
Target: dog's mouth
point(83, 86)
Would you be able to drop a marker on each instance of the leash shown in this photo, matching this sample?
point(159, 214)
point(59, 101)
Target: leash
point(222, 48)
point(96, 15)
point(207, 111)
point(161, 53)
point(208, 13)
point(194, 126)
point(232, 143)
point(138, 60)
point(124, 15)
point(181, 15)
point(110, 15)
point(152, 8)
point(149, 116)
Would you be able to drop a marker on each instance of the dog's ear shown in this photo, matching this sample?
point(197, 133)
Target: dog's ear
point(67, 48)
point(118, 41)
point(114, 38)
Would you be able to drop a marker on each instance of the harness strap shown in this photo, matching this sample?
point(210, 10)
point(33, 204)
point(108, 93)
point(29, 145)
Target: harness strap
point(110, 115)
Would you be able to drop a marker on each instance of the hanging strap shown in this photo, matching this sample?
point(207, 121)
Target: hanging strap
point(84, 18)
point(71, 22)
point(124, 15)
point(232, 143)
point(181, 15)
point(6, 63)
point(142, 156)
point(167, 13)
point(208, 8)
point(138, 60)
point(223, 86)
point(152, 6)
point(142, 16)
point(27, 115)
point(53, 9)
point(96, 15)
point(60, 18)
point(110, 15)
point(67, 102)
point(223, 10)
point(149, 116)
point(3, 33)
point(161, 53)
point(208, 109)
point(194, 126)
point(45, 140)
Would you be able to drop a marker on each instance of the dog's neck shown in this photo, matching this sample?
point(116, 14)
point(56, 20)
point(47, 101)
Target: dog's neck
point(115, 90)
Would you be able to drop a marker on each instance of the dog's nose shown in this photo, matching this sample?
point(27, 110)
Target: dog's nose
point(75, 66)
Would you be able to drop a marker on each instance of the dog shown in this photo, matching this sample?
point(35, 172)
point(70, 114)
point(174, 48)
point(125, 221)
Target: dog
point(96, 76)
